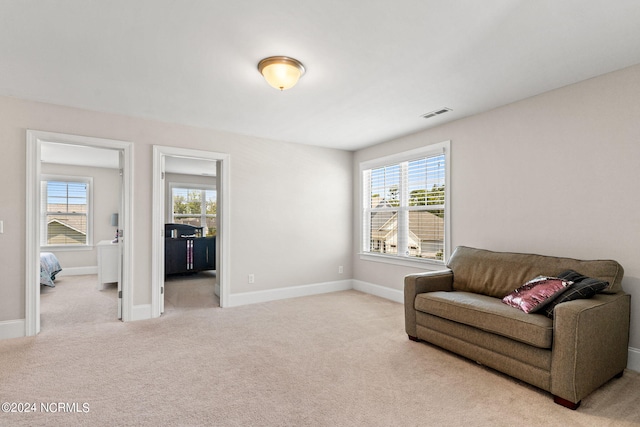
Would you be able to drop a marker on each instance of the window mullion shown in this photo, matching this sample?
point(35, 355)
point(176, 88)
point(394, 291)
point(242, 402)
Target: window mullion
point(366, 217)
point(403, 213)
point(203, 208)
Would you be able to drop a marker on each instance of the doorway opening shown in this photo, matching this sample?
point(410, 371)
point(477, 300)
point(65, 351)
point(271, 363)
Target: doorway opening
point(63, 219)
point(190, 231)
point(191, 203)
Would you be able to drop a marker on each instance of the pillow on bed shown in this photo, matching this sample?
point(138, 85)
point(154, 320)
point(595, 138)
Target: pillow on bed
point(583, 288)
point(536, 293)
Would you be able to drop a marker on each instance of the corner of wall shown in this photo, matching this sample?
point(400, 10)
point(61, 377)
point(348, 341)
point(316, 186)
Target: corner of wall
point(380, 291)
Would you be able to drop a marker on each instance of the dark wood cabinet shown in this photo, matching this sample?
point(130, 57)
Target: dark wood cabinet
point(186, 253)
point(175, 256)
point(204, 253)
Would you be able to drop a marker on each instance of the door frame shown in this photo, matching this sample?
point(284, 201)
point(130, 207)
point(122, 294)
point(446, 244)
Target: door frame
point(222, 238)
point(32, 258)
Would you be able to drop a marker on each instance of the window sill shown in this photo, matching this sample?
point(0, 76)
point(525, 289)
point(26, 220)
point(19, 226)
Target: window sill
point(62, 248)
point(407, 262)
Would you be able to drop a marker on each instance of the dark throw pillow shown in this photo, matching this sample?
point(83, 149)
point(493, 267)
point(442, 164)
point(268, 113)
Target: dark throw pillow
point(574, 276)
point(536, 293)
point(583, 288)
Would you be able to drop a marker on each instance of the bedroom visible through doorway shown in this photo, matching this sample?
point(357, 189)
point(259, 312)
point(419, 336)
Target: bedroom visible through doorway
point(66, 220)
point(80, 202)
point(190, 249)
point(191, 225)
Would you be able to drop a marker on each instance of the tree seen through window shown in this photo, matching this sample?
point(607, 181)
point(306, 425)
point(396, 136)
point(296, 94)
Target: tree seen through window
point(189, 208)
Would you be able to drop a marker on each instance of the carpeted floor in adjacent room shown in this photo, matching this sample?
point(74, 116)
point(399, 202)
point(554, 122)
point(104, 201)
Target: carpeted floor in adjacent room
point(339, 359)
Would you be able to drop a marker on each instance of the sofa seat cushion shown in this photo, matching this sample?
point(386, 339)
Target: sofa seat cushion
point(489, 314)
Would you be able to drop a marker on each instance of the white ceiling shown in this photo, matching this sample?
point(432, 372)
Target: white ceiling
point(373, 66)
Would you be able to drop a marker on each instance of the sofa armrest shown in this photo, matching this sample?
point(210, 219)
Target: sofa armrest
point(414, 284)
point(590, 344)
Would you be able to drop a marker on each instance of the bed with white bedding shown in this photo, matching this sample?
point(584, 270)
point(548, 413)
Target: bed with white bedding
point(49, 267)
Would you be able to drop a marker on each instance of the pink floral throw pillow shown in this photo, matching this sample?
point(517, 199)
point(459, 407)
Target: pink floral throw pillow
point(536, 293)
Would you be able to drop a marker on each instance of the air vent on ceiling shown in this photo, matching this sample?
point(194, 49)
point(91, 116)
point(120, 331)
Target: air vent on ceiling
point(436, 113)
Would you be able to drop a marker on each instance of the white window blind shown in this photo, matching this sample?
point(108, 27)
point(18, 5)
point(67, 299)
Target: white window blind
point(404, 206)
point(65, 219)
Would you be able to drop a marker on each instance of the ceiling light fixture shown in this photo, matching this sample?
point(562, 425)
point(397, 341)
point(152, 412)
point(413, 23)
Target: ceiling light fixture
point(281, 72)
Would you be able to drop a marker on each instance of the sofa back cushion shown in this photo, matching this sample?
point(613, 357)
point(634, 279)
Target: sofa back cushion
point(497, 273)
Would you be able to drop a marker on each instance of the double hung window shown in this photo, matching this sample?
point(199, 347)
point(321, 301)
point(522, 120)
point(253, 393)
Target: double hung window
point(195, 205)
point(405, 209)
point(66, 211)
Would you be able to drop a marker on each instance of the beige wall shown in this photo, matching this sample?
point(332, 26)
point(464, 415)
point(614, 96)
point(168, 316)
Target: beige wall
point(106, 198)
point(290, 204)
point(556, 174)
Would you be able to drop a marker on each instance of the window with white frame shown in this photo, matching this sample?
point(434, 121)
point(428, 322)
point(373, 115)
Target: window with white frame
point(66, 211)
point(195, 205)
point(405, 209)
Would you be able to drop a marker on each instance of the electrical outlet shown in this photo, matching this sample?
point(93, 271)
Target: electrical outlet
point(252, 278)
point(340, 269)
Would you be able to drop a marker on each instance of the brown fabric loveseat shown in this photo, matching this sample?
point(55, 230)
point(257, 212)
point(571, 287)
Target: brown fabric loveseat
point(460, 309)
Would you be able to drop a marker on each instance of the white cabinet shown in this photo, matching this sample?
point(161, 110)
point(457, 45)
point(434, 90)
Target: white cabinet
point(108, 254)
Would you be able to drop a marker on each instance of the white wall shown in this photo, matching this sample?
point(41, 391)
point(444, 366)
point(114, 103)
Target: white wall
point(555, 174)
point(106, 199)
point(291, 207)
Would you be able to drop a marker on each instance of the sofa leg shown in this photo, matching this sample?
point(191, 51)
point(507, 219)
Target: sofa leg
point(412, 338)
point(566, 403)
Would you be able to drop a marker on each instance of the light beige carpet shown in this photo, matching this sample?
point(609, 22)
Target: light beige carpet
point(190, 291)
point(75, 300)
point(339, 359)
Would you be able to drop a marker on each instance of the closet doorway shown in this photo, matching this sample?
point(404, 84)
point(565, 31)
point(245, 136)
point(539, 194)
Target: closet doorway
point(194, 238)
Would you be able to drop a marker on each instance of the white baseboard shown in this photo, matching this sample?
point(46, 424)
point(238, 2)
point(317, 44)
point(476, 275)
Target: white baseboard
point(633, 362)
point(380, 291)
point(141, 312)
point(78, 271)
point(12, 329)
point(244, 298)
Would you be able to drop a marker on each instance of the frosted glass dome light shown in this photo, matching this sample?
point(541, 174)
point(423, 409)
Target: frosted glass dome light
point(281, 72)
